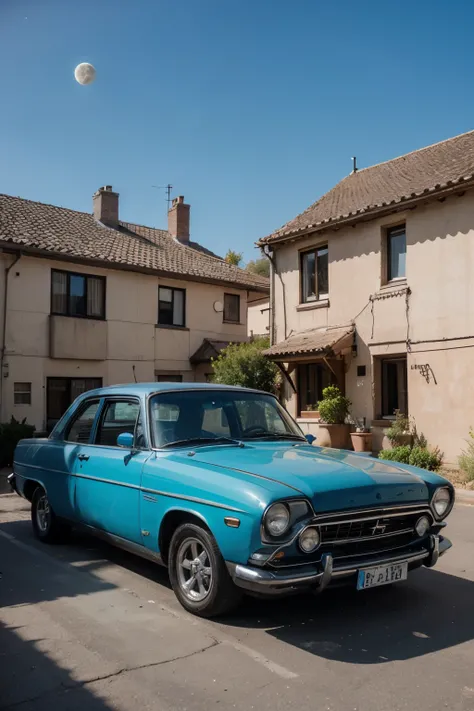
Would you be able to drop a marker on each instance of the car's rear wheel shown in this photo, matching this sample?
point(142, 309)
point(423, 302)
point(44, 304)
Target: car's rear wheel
point(46, 525)
point(198, 573)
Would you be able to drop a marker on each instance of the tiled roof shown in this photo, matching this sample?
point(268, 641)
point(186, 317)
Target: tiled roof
point(59, 231)
point(414, 175)
point(317, 341)
point(207, 350)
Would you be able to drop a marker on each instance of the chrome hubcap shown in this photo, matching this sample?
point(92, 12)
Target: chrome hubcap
point(43, 513)
point(194, 569)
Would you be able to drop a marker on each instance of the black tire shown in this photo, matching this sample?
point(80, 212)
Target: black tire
point(46, 525)
point(221, 594)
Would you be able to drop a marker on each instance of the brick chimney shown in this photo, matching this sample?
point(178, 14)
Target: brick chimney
point(178, 220)
point(106, 206)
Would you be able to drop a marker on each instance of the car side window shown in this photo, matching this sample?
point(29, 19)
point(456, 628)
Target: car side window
point(119, 416)
point(81, 427)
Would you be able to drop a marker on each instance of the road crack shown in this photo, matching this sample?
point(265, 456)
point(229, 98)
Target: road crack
point(65, 687)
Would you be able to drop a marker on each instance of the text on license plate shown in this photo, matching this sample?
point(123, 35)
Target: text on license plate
point(382, 575)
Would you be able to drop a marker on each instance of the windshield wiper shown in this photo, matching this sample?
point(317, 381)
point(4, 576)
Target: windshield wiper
point(275, 435)
point(201, 440)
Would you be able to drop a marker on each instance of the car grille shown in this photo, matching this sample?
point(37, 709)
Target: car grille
point(361, 533)
point(340, 532)
point(370, 531)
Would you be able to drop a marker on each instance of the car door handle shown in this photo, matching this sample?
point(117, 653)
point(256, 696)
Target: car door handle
point(83, 457)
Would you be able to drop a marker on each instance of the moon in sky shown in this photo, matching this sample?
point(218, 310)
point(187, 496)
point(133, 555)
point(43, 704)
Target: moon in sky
point(84, 73)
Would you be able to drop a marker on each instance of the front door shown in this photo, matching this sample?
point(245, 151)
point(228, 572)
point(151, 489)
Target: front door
point(108, 477)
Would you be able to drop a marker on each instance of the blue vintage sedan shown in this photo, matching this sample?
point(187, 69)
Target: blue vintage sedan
point(220, 485)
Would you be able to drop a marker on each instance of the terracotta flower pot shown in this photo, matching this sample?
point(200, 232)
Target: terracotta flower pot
point(361, 441)
point(336, 436)
point(310, 414)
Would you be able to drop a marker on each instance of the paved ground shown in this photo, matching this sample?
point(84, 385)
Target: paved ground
point(85, 626)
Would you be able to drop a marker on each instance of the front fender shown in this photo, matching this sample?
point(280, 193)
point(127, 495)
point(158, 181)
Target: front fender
point(235, 544)
point(173, 482)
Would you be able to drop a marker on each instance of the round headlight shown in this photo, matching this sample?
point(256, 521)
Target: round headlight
point(422, 526)
point(309, 540)
point(277, 519)
point(441, 501)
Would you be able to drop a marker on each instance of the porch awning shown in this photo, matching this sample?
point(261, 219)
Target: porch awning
point(207, 350)
point(316, 342)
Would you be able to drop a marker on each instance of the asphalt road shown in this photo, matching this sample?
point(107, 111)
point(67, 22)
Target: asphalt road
point(85, 626)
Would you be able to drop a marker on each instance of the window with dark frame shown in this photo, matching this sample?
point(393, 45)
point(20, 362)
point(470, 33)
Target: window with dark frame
point(61, 392)
point(396, 252)
point(312, 379)
point(171, 306)
point(79, 295)
point(175, 378)
point(394, 386)
point(232, 308)
point(22, 393)
point(315, 274)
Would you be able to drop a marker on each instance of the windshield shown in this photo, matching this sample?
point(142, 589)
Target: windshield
point(218, 416)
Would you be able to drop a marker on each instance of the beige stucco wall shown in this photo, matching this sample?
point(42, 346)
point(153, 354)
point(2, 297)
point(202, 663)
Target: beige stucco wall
point(76, 338)
point(439, 274)
point(132, 337)
point(258, 318)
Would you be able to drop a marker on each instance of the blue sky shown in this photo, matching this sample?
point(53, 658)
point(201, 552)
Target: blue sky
point(250, 108)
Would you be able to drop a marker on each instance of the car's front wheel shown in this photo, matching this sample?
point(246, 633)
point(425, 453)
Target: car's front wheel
point(198, 573)
point(46, 525)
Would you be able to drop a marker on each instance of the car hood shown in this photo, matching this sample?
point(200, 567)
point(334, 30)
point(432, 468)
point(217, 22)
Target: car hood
point(332, 479)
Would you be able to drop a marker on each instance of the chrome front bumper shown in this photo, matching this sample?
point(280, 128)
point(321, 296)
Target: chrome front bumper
point(278, 582)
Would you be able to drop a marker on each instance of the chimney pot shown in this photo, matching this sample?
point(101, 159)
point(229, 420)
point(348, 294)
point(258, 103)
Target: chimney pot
point(106, 206)
point(178, 219)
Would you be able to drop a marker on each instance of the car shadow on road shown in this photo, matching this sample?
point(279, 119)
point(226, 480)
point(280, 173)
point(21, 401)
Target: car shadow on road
point(30, 679)
point(88, 555)
point(430, 612)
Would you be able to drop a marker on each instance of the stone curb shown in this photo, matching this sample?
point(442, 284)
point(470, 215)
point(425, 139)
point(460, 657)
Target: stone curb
point(465, 496)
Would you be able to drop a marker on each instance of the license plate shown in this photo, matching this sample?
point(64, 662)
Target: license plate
point(382, 575)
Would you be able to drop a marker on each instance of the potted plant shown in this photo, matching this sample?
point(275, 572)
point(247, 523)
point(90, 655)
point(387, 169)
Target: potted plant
point(361, 438)
point(311, 412)
point(333, 411)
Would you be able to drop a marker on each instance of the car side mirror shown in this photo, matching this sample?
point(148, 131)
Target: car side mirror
point(125, 440)
point(310, 438)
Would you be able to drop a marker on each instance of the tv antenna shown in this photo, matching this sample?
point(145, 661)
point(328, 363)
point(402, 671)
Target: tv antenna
point(168, 189)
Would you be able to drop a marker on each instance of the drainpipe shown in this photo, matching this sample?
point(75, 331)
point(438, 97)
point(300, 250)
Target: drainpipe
point(4, 324)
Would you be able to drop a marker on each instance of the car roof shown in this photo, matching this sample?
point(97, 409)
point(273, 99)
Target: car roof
point(149, 388)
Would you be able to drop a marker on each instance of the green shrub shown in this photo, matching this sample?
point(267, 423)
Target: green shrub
point(334, 407)
point(426, 459)
point(10, 434)
point(466, 460)
point(416, 456)
point(397, 454)
point(419, 440)
point(399, 429)
point(244, 364)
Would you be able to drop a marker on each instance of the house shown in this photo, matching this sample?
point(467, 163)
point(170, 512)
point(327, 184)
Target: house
point(373, 289)
point(89, 300)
